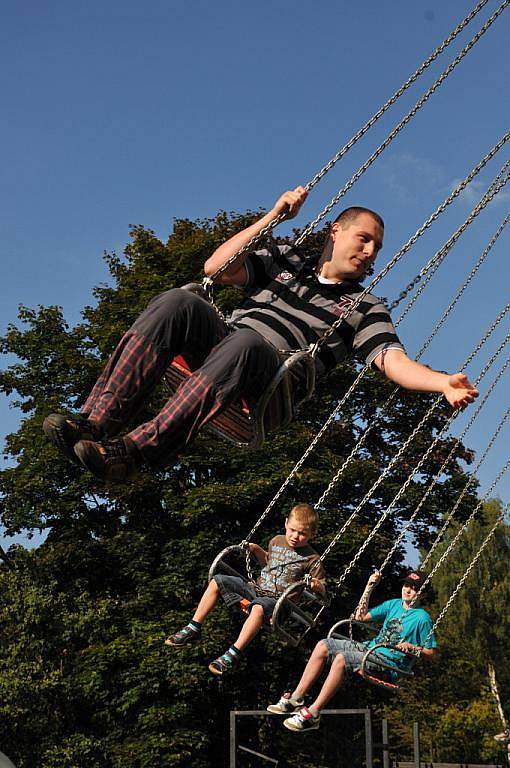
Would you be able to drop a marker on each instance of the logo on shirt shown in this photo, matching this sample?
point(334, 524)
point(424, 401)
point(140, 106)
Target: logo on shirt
point(282, 277)
point(392, 632)
point(343, 306)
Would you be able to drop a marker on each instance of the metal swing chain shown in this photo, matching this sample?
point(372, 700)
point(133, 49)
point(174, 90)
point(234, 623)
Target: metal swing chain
point(438, 258)
point(461, 496)
point(445, 463)
point(461, 530)
point(443, 252)
point(485, 200)
point(400, 452)
point(449, 69)
point(427, 343)
point(456, 505)
point(380, 112)
point(467, 573)
point(208, 281)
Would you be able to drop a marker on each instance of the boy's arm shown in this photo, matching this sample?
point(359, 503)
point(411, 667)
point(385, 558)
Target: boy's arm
point(398, 367)
point(361, 613)
point(318, 580)
point(289, 204)
point(259, 553)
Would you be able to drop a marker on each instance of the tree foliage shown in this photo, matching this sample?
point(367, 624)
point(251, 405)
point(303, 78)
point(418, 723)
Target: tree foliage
point(86, 678)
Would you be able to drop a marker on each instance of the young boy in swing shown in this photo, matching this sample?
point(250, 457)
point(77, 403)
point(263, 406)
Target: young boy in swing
point(290, 304)
point(405, 625)
point(288, 559)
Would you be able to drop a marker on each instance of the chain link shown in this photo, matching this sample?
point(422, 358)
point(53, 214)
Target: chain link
point(318, 176)
point(467, 573)
point(485, 200)
point(399, 453)
point(427, 343)
point(445, 463)
point(449, 69)
point(380, 112)
point(443, 251)
point(461, 530)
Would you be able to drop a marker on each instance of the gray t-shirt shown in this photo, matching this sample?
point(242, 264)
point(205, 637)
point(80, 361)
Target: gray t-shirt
point(287, 565)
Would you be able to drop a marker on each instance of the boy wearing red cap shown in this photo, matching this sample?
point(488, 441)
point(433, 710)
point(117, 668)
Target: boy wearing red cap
point(405, 625)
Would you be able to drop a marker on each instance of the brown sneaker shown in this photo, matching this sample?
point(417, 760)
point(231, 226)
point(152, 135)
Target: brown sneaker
point(112, 460)
point(65, 431)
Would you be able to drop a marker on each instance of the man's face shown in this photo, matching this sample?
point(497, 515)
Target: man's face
point(355, 248)
point(296, 534)
point(408, 592)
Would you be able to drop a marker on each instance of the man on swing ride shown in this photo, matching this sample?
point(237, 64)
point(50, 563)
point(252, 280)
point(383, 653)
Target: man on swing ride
point(405, 626)
point(289, 305)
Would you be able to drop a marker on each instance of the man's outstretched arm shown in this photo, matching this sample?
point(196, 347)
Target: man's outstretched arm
point(398, 367)
point(289, 204)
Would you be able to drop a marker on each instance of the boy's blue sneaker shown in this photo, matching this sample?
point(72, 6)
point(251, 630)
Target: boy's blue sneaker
point(302, 721)
point(223, 664)
point(185, 636)
point(285, 705)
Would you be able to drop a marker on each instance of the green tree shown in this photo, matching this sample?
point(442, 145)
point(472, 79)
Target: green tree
point(86, 678)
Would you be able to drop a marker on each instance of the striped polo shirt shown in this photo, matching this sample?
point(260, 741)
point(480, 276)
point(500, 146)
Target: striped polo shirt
point(291, 308)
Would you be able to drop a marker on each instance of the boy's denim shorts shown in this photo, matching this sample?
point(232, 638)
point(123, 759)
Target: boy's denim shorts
point(232, 588)
point(353, 652)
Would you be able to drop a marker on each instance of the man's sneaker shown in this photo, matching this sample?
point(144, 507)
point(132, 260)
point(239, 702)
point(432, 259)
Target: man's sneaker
point(185, 636)
point(110, 460)
point(224, 664)
point(65, 431)
point(302, 721)
point(503, 738)
point(285, 705)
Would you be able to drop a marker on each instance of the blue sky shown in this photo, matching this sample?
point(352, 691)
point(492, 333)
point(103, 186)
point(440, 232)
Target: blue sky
point(117, 114)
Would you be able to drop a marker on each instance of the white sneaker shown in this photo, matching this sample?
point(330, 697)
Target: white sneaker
point(503, 738)
point(302, 721)
point(285, 705)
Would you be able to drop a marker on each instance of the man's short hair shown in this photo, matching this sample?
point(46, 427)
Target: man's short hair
point(305, 515)
point(349, 215)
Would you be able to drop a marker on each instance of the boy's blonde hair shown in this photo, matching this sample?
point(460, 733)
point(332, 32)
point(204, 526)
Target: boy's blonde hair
point(306, 516)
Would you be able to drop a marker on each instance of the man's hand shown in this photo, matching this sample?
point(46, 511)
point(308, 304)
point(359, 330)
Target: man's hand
point(459, 391)
point(289, 203)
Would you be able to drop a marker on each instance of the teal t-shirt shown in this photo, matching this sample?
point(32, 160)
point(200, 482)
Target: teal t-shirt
point(410, 625)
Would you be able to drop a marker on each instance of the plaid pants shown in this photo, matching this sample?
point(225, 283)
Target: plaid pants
point(225, 364)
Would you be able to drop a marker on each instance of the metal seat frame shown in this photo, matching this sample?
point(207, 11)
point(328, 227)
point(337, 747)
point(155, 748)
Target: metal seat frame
point(247, 427)
point(290, 621)
point(370, 677)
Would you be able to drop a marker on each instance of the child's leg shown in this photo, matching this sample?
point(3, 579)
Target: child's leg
point(207, 602)
point(312, 670)
point(331, 684)
point(251, 627)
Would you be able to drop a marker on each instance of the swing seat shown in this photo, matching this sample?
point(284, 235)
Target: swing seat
point(297, 611)
point(238, 423)
point(390, 676)
point(290, 620)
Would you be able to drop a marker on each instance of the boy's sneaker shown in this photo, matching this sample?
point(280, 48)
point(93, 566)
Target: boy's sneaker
point(65, 431)
point(185, 636)
point(302, 721)
point(285, 705)
point(503, 738)
point(224, 664)
point(112, 460)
